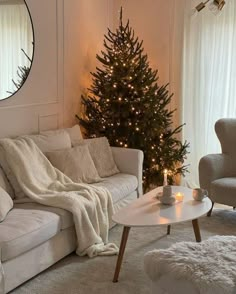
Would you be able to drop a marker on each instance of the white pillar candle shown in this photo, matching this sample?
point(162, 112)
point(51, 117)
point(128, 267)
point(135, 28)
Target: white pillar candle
point(165, 182)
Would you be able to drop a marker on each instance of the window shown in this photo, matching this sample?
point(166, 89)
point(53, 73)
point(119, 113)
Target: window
point(209, 80)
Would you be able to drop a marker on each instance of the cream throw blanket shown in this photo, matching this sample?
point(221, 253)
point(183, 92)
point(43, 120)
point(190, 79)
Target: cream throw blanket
point(39, 180)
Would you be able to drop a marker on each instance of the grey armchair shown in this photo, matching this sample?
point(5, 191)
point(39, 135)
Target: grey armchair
point(217, 172)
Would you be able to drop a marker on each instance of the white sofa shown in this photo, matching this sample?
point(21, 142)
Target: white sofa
point(33, 236)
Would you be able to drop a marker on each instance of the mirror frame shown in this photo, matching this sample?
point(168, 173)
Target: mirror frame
point(32, 58)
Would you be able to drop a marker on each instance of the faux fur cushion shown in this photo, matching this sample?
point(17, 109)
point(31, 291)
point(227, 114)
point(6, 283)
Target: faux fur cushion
point(101, 153)
point(76, 163)
point(6, 204)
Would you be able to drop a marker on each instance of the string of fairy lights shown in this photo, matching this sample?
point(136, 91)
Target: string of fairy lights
point(132, 93)
point(126, 80)
point(126, 104)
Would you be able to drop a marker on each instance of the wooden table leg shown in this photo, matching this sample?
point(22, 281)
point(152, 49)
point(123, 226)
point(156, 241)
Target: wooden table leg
point(196, 230)
point(121, 253)
point(210, 211)
point(168, 230)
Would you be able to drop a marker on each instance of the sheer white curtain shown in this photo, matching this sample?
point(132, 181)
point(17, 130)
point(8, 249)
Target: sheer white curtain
point(209, 80)
point(15, 34)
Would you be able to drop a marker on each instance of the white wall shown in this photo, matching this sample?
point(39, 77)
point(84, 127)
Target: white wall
point(68, 34)
point(150, 20)
point(86, 22)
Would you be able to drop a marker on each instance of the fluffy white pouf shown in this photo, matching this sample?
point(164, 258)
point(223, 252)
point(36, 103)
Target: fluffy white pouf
point(209, 266)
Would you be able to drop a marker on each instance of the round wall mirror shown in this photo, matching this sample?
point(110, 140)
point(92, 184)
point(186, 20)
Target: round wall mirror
point(17, 46)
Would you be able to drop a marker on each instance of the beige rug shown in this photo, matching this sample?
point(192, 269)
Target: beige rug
point(81, 275)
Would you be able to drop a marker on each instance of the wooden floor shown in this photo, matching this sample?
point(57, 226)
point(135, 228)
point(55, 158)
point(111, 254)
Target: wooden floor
point(217, 205)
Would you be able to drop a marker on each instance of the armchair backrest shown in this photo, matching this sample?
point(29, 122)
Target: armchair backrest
point(225, 129)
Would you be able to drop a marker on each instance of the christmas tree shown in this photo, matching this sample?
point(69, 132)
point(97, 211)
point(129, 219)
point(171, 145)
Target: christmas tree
point(126, 105)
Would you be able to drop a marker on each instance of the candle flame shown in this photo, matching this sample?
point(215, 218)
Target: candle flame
point(179, 196)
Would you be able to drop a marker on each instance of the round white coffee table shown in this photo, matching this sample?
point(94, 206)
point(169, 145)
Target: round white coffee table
point(149, 211)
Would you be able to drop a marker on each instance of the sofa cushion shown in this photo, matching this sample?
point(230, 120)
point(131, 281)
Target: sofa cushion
point(50, 142)
point(65, 216)
point(74, 133)
point(102, 156)
point(6, 204)
point(222, 187)
point(24, 229)
point(76, 163)
point(120, 185)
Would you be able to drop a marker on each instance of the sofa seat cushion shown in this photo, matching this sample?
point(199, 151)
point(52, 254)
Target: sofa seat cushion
point(222, 187)
point(120, 185)
point(65, 216)
point(24, 229)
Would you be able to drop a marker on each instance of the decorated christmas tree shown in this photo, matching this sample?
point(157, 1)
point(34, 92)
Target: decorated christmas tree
point(126, 104)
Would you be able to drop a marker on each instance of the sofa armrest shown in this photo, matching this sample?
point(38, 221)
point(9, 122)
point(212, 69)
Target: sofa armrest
point(2, 283)
point(130, 161)
point(215, 166)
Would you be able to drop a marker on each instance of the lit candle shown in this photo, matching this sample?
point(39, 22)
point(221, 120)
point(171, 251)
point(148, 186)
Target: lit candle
point(179, 196)
point(165, 177)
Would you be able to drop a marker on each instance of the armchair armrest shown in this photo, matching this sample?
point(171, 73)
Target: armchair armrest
point(215, 166)
point(130, 161)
